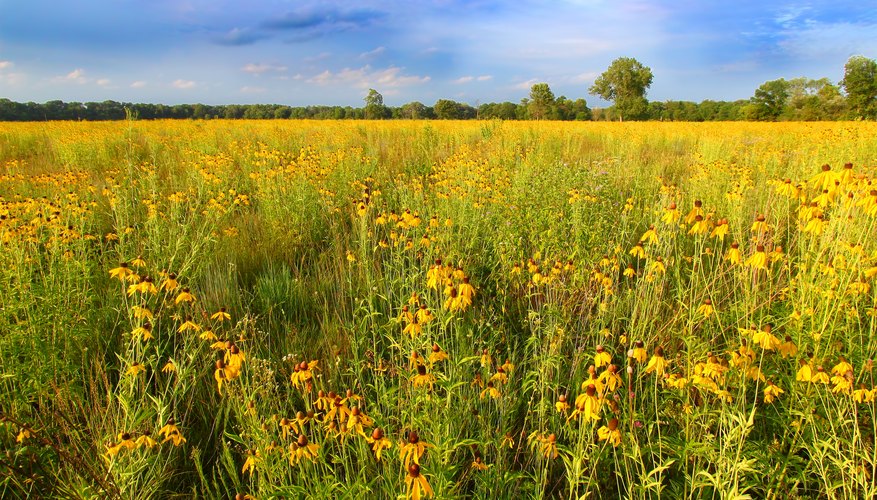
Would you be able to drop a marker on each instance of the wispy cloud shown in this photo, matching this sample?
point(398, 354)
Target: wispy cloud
point(327, 18)
point(259, 68)
point(525, 85)
point(8, 77)
point(139, 84)
point(183, 84)
point(76, 76)
point(252, 90)
point(373, 53)
point(365, 77)
point(5, 65)
point(239, 36)
point(463, 79)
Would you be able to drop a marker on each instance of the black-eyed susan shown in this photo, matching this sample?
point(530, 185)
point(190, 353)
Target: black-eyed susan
point(379, 442)
point(302, 449)
point(588, 405)
point(771, 392)
point(805, 371)
point(758, 260)
point(412, 449)
point(169, 284)
point(491, 390)
point(437, 354)
point(639, 352)
point(562, 405)
point(122, 272)
point(221, 315)
point(416, 485)
point(171, 433)
point(706, 308)
point(185, 295)
point(610, 432)
point(125, 442)
point(657, 363)
point(602, 357)
point(422, 378)
point(733, 254)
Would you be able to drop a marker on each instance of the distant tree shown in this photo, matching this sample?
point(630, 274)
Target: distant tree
point(446, 109)
point(860, 84)
point(625, 83)
point(769, 101)
point(541, 102)
point(374, 105)
point(413, 111)
point(813, 100)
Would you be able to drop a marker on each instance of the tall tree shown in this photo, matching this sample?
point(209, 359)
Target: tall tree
point(625, 83)
point(860, 84)
point(769, 100)
point(374, 105)
point(541, 101)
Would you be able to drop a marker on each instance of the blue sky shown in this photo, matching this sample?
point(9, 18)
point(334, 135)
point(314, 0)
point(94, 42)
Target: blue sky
point(332, 52)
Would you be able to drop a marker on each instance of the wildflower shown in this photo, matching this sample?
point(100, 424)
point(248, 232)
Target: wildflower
point(637, 251)
point(145, 441)
point(416, 484)
point(733, 254)
point(220, 375)
point(454, 301)
point(657, 363)
point(629, 272)
point(757, 260)
point(413, 449)
point(337, 409)
point(766, 339)
point(706, 308)
point(639, 353)
point(122, 272)
point(437, 354)
point(422, 378)
point(548, 446)
point(478, 463)
point(650, 236)
point(696, 210)
point(842, 367)
point(824, 179)
point(671, 214)
point(250, 462)
point(805, 371)
point(208, 335)
point(771, 392)
point(413, 328)
point(842, 383)
point(184, 296)
point(658, 266)
point(820, 377)
point(610, 378)
point(491, 391)
point(221, 315)
point(303, 373)
point(588, 405)
point(138, 262)
point(602, 358)
point(467, 292)
point(863, 395)
point(171, 433)
point(508, 366)
point(351, 257)
point(170, 283)
point(143, 331)
point(126, 441)
point(759, 226)
point(169, 367)
point(700, 226)
point(721, 230)
point(500, 375)
point(302, 449)
point(23, 435)
point(141, 312)
point(562, 405)
point(379, 442)
point(188, 325)
point(486, 360)
point(135, 369)
point(610, 432)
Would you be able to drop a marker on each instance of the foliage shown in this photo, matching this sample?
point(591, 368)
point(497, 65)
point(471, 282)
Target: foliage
point(625, 83)
point(860, 84)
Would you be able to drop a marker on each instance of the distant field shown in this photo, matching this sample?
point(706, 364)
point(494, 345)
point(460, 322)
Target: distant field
point(466, 309)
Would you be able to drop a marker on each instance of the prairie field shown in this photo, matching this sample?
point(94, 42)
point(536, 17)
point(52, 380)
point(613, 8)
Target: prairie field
point(409, 309)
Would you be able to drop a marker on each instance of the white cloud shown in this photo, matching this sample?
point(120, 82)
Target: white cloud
point(6, 64)
point(103, 82)
point(484, 78)
point(463, 79)
point(139, 84)
point(373, 53)
point(252, 90)
point(365, 77)
point(258, 68)
point(830, 40)
point(588, 76)
point(527, 84)
point(183, 84)
point(76, 76)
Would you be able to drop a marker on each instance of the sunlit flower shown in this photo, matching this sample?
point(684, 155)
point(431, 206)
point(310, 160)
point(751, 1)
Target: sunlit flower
point(416, 485)
point(657, 363)
point(610, 432)
point(379, 442)
point(412, 449)
point(301, 449)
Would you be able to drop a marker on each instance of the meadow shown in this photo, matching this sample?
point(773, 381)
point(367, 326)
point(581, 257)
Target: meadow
point(409, 309)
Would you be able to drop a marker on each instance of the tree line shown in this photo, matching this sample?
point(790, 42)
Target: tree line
point(625, 83)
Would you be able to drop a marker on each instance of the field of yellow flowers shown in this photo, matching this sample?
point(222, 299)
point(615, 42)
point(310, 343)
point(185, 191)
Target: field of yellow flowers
point(320, 309)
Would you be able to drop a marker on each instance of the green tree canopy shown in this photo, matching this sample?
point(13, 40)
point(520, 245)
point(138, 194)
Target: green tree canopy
point(541, 101)
point(625, 83)
point(860, 84)
point(374, 105)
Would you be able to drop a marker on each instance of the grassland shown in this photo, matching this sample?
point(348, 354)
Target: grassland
point(221, 309)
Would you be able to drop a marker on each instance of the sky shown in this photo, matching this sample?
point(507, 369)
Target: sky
point(332, 52)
